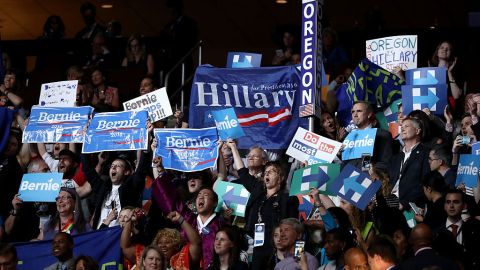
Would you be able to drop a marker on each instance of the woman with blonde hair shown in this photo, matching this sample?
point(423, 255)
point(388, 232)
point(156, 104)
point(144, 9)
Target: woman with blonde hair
point(136, 55)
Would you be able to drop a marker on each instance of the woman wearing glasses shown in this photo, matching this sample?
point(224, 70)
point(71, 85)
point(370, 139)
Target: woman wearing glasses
point(69, 217)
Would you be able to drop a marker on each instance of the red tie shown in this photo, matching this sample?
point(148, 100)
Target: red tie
point(454, 230)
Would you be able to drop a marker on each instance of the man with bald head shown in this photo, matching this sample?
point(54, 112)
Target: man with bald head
point(420, 240)
point(355, 259)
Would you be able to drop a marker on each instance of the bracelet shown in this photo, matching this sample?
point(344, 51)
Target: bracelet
point(181, 222)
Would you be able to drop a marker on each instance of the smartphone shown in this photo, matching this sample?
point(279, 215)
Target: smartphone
point(366, 160)
point(415, 208)
point(465, 139)
point(299, 250)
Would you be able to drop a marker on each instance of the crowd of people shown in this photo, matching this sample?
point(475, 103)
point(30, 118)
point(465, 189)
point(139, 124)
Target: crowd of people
point(170, 219)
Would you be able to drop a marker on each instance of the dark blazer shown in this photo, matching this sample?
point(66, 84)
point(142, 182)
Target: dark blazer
point(425, 258)
point(414, 169)
point(130, 192)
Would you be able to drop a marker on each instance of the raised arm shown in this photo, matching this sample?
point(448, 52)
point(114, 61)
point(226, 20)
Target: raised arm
point(195, 249)
point(126, 244)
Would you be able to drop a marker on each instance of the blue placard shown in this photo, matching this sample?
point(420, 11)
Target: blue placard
point(354, 186)
point(243, 60)
point(187, 149)
point(418, 97)
point(265, 100)
point(476, 148)
point(40, 187)
point(227, 124)
point(426, 76)
point(113, 131)
point(103, 245)
point(359, 142)
point(56, 124)
point(467, 171)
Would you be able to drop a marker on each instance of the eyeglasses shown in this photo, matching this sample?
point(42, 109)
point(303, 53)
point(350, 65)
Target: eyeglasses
point(63, 198)
point(432, 159)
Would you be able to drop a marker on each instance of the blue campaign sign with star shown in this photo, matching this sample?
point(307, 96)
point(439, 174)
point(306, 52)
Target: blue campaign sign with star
point(359, 142)
point(426, 76)
point(467, 171)
point(318, 176)
point(227, 124)
point(243, 60)
point(354, 186)
point(40, 187)
point(234, 196)
point(418, 97)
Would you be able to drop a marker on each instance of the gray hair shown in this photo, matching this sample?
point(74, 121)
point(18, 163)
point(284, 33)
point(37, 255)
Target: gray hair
point(264, 153)
point(295, 223)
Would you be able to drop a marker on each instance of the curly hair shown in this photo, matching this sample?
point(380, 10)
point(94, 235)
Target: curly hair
point(170, 234)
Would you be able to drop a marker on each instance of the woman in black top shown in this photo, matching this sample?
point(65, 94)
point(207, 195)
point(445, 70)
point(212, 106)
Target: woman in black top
point(227, 251)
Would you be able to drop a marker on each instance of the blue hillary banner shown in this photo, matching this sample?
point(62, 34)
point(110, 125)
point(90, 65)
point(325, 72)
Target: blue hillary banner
point(467, 171)
point(102, 245)
point(368, 82)
point(114, 131)
point(354, 186)
point(40, 187)
point(187, 150)
point(243, 60)
point(56, 124)
point(265, 101)
point(418, 97)
point(227, 124)
point(426, 76)
point(359, 142)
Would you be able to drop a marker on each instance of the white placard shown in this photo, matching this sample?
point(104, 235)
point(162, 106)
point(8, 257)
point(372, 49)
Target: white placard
point(156, 103)
point(58, 94)
point(390, 52)
point(308, 146)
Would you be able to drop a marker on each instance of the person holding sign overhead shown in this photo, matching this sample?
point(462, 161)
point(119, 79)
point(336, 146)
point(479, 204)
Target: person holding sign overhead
point(267, 205)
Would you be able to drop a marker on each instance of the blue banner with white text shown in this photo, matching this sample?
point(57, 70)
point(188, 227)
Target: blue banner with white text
point(116, 131)
point(102, 245)
point(56, 124)
point(187, 150)
point(359, 142)
point(265, 100)
point(368, 82)
point(40, 187)
point(227, 124)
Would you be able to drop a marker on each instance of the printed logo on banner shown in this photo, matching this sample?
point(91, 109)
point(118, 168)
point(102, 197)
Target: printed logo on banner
point(467, 171)
point(243, 60)
point(354, 186)
point(418, 97)
point(395, 51)
point(103, 245)
point(305, 206)
point(227, 124)
point(265, 102)
point(308, 146)
point(116, 131)
point(40, 187)
point(51, 125)
point(426, 76)
point(58, 94)
point(187, 150)
point(359, 142)
point(235, 197)
point(318, 176)
point(156, 103)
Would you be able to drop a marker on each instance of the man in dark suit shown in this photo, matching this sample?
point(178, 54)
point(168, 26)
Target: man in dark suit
point(363, 116)
point(410, 165)
point(382, 254)
point(425, 256)
point(440, 158)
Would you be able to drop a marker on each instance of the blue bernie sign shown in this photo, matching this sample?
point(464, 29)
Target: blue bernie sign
point(227, 124)
point(56, 124)
point(354, 186)
point(116, 131)
point(40, 187)
point(467, 171)
point(359, 142)
point(187, 150)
